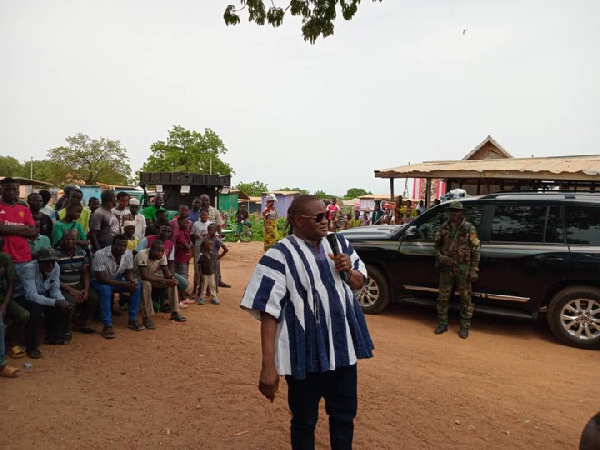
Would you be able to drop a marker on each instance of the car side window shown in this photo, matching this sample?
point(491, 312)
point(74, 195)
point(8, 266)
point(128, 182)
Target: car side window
point(583, 225)
point(428, 230)
point(555, 232)
point(519, 223)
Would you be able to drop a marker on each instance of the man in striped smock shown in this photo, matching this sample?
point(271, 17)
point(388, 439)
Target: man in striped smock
point(312, 328)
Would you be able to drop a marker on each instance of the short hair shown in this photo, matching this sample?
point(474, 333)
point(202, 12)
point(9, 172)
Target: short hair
point(205, 241)
point(76, 191)
point(107, 195)
point(182, 205)
point(71, 205)
point(69, 231)
point(8, 180)
point(156, 243)
point(122, 194)
point(203, 210)
point(119, 237)
point(211, 226)
point(46, 195)
point(161, 211)
point(299, 204)
point(32, 194)
point(90, 200)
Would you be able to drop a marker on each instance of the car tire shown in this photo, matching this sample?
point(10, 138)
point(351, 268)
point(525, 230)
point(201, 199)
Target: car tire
point(574, 316)
point(375, 296)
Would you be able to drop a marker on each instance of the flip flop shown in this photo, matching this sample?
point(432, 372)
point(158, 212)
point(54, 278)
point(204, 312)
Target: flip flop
point(9, 372)
point(34, 354)
point(85, 329)
point(177, 318)
point(182, 305)
point(149, 325)
point(17, 352)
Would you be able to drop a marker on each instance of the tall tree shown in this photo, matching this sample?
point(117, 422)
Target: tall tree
point(355, 193)
point(188, 151)
point(88, 161)
point(302, 191)
point(254, 188)
point(322, 194)
point(317, 15)
point(10, 167)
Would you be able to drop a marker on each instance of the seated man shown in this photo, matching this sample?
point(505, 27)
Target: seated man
point(152, 269)
point(7, 276)
point(75, 281)
point(37, 286)
point(112, 269)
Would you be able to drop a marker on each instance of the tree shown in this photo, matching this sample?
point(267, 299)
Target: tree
point(322, 194)
point(10, 167)
point(188, 151)
point(88, 161)
point(355, 193)
point(317, 15)
point(302, 191)
point(42, 170)
point(254, 188)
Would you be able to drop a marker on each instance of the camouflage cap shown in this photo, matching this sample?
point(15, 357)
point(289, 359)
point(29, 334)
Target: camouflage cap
point(456, 205)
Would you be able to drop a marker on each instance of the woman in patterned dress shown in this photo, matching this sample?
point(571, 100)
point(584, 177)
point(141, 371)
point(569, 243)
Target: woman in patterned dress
point(270, 215)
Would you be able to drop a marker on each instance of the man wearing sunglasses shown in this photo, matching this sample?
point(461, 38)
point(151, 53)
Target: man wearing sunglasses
point(312, 328)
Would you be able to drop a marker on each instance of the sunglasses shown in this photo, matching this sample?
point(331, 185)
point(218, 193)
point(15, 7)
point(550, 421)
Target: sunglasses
point(318, 218)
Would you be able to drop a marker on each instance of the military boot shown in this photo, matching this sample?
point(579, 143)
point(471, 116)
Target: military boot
point(463, 333)
point(440, 329)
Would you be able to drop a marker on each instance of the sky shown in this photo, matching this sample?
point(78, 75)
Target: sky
point(400, 83)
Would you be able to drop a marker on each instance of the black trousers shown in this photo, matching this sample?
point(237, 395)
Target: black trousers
point(338, 388)
point(32, 331)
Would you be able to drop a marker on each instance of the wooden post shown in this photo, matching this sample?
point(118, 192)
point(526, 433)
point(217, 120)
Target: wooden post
point(392, 189)
point(427, 192)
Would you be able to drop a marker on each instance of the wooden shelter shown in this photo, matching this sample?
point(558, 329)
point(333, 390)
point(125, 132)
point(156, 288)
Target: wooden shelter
point(490, 168)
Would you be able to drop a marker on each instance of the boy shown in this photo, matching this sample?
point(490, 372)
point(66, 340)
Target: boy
point(183, 249)
point(207, 268)
point(215, 256)
point(39, 242)
point(132, 239)
point(70, 222)
point(199, 232)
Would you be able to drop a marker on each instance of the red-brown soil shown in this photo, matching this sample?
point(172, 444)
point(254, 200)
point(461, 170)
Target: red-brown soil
point(193, 385)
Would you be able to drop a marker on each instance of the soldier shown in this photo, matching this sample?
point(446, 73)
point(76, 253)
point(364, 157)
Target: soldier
point(457, 253)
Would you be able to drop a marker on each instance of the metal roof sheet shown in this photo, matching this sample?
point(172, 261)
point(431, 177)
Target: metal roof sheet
point(578, 167)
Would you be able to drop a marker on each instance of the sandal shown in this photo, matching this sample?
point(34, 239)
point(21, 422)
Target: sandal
point(34, 354)
point(149, 325)
point(68, 336)
point(177, 317)
point(188, 301)
point(17, 352)
point(9, 372)
point(182, 305)
point(108, 332)
point(133, 325)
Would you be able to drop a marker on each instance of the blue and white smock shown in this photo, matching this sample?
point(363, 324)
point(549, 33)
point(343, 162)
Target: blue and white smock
point(320, 325)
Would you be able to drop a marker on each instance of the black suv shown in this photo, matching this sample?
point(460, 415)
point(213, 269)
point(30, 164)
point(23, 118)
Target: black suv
point(538, 251)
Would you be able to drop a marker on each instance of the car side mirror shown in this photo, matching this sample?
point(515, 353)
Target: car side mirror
point(411, 231)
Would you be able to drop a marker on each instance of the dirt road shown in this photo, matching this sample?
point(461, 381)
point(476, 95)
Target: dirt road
point(193, 385)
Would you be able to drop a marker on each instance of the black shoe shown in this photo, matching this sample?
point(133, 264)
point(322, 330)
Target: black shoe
point(463, 333)
point(440, 329)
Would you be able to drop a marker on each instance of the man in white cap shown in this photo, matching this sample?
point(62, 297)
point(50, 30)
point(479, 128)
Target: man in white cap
point(139, 219)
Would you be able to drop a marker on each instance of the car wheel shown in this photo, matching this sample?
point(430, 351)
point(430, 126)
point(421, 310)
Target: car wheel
point(574, 316)
point(375, 296)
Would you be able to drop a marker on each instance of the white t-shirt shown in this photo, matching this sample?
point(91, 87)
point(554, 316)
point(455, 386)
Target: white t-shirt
point(200, 228)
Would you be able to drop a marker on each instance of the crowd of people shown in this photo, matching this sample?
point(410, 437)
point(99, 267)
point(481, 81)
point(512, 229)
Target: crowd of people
point(60, 268)
point(399, 212)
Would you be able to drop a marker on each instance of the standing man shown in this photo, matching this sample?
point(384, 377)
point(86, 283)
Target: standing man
point(213, 213)
point(398, 210)
point(112, 269)
point(457, 250)
point(121, 211)
point(139, 219)
point(195, 211)
point(35, 203)
point(334, 210)
point(312, 328)
point(104, 226)
point(150, 211)
point(16, 224)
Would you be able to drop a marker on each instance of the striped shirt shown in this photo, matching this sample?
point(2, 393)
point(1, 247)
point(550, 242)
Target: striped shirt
point(320, 325)
point(71, 266)
point(105, 261)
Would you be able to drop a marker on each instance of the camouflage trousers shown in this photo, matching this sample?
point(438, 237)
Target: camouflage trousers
point(455, 276)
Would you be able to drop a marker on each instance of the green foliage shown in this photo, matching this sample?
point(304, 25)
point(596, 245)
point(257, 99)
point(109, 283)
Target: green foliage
point(322, 194)
point(188, 151)
point(254, 188)
point(301, 191)
point(89, 161)
point(10, 167)
point(355, 193)
point(317, 15)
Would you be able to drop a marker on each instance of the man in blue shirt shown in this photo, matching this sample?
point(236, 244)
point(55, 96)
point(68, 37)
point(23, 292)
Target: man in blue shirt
point(312, 328)
point(37, 286)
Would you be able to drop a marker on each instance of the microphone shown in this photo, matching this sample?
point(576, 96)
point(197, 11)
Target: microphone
point(335, 248)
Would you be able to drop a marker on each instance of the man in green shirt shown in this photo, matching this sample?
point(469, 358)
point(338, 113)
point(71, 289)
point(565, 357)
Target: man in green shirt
point(150, 211)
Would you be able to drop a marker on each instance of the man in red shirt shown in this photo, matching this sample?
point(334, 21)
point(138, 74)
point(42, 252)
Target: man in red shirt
point(16, 223)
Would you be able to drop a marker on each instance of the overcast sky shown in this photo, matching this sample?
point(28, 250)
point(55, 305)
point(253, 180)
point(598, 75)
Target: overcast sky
point(400, 83)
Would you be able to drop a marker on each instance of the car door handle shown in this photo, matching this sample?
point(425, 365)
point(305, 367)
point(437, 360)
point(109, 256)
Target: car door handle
point(551, 259)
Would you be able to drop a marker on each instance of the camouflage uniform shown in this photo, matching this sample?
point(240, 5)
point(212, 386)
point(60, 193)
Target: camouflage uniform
point(461, 244)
